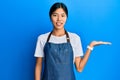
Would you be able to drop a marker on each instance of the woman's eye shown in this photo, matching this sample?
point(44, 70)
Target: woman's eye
point(63, 15)
point(54, 15)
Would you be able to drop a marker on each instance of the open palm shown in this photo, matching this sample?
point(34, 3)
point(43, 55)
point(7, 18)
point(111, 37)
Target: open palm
point(95, 43)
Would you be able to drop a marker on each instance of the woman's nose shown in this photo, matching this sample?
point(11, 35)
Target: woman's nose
point(59, 18)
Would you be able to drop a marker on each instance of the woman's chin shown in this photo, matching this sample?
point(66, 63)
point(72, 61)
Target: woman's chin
point(59, 27)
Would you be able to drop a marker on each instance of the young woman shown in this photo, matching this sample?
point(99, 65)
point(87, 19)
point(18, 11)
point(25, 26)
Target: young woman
point(60, 49)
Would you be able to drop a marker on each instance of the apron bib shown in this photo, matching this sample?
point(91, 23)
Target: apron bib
point(58, 62)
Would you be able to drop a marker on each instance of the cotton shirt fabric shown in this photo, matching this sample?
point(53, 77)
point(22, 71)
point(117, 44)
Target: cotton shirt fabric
point(74, 40)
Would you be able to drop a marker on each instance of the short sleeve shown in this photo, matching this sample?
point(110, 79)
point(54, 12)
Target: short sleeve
point(78, 51)
point(39, 48)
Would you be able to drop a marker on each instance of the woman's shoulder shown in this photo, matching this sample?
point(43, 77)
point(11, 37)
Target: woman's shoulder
point(73, 35)
point(43, 36)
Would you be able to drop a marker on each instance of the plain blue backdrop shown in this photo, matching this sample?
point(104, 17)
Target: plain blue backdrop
point(22, 21)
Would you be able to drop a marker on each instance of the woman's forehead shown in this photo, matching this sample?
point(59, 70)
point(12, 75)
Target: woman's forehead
point(59, 11)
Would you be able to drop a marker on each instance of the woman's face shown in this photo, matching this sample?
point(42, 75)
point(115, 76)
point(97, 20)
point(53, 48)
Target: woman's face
point(58, 18)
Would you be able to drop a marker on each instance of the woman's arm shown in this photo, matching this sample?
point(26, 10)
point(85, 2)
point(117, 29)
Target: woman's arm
point(38, 68)
point(80, 62)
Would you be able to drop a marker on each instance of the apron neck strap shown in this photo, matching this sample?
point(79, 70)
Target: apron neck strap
point(67, 36)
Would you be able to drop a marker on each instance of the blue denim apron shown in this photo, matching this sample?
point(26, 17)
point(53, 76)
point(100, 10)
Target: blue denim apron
point(58, 63)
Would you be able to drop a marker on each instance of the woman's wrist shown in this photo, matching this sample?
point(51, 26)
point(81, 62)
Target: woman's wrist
point(90, 47)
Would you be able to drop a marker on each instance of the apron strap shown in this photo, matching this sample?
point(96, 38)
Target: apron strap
point(67, 36)
point(49, 36)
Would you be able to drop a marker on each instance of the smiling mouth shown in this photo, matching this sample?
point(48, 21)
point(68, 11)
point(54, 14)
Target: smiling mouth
point(59, 23)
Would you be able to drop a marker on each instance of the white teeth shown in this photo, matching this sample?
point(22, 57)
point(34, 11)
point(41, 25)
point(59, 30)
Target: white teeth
point(58, 23)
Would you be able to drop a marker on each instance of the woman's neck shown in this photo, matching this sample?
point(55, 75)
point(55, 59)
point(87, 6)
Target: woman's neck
point(60, 32)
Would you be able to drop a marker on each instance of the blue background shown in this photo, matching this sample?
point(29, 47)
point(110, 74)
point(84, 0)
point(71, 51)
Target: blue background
point(22, 21)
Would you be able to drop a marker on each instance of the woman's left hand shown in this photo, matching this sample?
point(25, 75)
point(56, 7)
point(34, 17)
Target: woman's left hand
point(95, 43)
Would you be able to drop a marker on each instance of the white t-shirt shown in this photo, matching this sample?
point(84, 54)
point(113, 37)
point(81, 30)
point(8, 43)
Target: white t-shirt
point(74, 40)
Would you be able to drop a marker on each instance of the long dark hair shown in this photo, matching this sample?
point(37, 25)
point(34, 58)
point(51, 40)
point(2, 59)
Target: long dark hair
point(56, 6)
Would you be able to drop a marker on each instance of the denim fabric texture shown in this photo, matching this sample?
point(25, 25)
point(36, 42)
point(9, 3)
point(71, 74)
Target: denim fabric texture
point(58, 62)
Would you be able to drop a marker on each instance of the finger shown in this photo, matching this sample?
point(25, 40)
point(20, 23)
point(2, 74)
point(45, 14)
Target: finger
point(107, 43)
